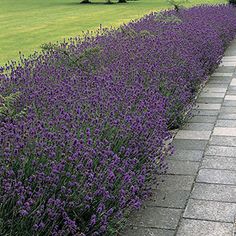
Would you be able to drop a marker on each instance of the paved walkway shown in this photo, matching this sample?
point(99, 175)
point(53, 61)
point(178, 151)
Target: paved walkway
point(198, 197)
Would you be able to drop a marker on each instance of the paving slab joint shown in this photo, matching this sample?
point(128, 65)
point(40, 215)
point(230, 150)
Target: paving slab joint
point(234, 227)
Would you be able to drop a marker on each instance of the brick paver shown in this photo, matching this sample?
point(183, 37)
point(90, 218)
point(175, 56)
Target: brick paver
point(198, 195)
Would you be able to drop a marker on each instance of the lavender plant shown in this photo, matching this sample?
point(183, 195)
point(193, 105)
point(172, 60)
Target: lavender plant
point(93, 138)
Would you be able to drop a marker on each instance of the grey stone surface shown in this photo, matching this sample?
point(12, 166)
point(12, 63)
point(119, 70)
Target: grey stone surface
point(156, 217)
point(196, 135)
point(226, 123)
point(227, 68)
point(226, 64)
point(221, 151)
point(211, 95)
point(232, 86)
point(214, 90)
point(223, 140)
point(221, 80)
point(210, 210)
point(169, 198)
point(217, 176)
point(187, 155)
point(214, 192)
point(231, 53)
point(231, 91)
point(228, 110)
point(212, 85)
point(205, 112)
point(210, 100)
point(203, 119)
point(183, 167)
point(205, 106)
point(230, 97)
point(229, 103)
point(217, 74)
point(198, 126)
point(190, 144)
point(219, 162)
point(227, 116)
point(233, 82)
point(224, 131)
point(176, 182)
point(190, 227)
point(137, 231)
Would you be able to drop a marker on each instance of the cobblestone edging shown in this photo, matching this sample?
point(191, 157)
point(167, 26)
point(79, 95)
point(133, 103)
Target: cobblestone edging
point(198, 196)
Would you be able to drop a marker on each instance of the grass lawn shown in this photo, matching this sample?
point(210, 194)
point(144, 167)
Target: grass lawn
point(26, 24)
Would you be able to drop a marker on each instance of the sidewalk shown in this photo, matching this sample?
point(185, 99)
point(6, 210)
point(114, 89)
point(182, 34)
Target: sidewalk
point(198, 196)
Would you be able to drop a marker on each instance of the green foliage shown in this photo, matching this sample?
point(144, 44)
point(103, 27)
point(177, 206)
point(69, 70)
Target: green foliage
point(145, 33)
point(127, 31)
point(71, 60)
point(233, 2)
point(167, 19)
point(7, 106)
point(177, 4)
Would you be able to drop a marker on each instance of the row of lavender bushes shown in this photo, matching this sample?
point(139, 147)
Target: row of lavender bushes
point(84, 125)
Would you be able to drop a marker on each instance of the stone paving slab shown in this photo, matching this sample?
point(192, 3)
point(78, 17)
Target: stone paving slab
point(189, 134)
point(228, 63)
point(187, 155)
point(228, 59)
point(231, 91)
point(198, 126)
point(228, 110)
point(219, 163)
point(212, 85)
point(226, 123)
point(206, 112)
point(204, 228)
point(224, 131)
point(190, 144)
point(213, 100)
point(220, 80)
point(203, 106)
point(231, 53)
point(233, 82)
point(232, 86)
point(203, 119)
point(157, 217)
point(229, 103)
point(169, 198)
point(222, 74)
point(215, 90)
point(227, 116)
point(176, 182)
point(214, 192)
point(221, 151)
point(211, 95)
point(210, 210)
point(227, 68)
point(230, 97)
point(216, 176)
point(223, 140)
point(183, 167)
point(138, 231)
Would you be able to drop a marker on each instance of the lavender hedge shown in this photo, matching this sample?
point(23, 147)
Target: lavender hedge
point(84, 125)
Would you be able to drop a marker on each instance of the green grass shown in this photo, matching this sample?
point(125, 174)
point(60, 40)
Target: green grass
point(26, 24)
